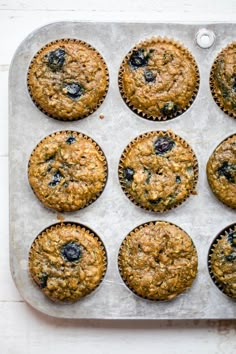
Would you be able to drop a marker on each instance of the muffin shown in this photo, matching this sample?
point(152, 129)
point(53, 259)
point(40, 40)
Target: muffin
point(67, 79)
point(158, 261)
point(222, 261)
point(158, 171)
point(67, 261)
point(159, 79)
point(223, 80)
point(221, 171)
point(67, 171)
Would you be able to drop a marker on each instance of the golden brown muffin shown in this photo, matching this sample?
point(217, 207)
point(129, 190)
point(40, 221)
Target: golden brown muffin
point(67, 261)
point(159, 79)
point(158, 261)
point(223, 80)
point(221, 171)
point(158, 171)
point(222, 261)
point(67, 171)
point(68, 79)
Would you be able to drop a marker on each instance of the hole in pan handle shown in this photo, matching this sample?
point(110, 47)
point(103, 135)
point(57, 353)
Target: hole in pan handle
point(205, 38)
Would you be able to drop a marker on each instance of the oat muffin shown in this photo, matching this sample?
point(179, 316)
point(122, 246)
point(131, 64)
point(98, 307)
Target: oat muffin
point(223, 80)
point(158, 171)
point(68, 79)
point(67, 261)
point(67, 171)
point(221, 171)
point(158, 261)
point(222, 261)
point(159, 79)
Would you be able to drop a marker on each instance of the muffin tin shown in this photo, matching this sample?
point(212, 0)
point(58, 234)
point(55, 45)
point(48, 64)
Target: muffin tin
point(112, 216)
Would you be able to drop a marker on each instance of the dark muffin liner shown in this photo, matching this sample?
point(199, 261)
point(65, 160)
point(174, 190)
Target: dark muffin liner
point(156, 134)
point(220, 235)
point(139, 112)
point(217, 97)
point(58, 226)
point(67, 40)
point(119, 259)
point(98, 148)
point(225, 140)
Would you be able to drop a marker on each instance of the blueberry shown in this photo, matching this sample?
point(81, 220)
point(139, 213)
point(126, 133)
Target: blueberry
point(177, 179)
point(232, 238)
point(138, 59)
point(163, 144)
point(56, 59)
point(55, 179)
point(155, 201)
point(43, 280)
point(50, 158)
point(169, 108)
point(71, 140)
point(149, 76)
point(231, 257)
point(234, 84)
point(228, 171)
point(74, 90)
point(71, 251)
point(128, 174)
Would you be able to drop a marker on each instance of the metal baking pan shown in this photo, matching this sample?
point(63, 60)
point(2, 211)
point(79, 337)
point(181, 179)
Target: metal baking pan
point(113, 216)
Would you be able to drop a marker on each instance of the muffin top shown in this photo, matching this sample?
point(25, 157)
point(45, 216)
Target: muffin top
point(67, 261)
point(67, 171)
point(221, 171)
point(158, 261)
point(159, 79)
point(158, 170)
point(222, 261)
point(68, 79)
point(223, 79)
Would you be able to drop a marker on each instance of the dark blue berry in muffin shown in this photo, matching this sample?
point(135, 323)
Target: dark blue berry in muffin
point(128, 174)
point(149, 76)
point(138, 58)
point(55, 179)
point(56, 59)
point(231, 257)
point(71, 251)
point(232, 238)
point(71, 140)
point(163, 144)
point(177, 179)
point(169, 108)
point(74, 90)
point(228, 171)
point(43, 280)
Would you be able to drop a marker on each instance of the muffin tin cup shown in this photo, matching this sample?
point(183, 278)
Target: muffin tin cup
point(69, 40)
point(157, 133)
point(98, 148)
point(139, 112)
point(120, 266)
point(216, 96)
point(72, 224)
point(209, 183)
point(215, 241)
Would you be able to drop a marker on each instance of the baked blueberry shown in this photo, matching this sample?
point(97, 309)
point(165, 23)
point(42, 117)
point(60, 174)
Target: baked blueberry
point(74, 90)
point(71, 140)
point(43, 280)
point(232, 238)
point(155, 201)
point(163, 144)
point(56, 59)
point(231, 257)
point(55, 179)
point(228, 171)
point(138, 58)
point(234, 84)
point(71, 251)
point(169, 108)
point(128, 174)
point(149, 76)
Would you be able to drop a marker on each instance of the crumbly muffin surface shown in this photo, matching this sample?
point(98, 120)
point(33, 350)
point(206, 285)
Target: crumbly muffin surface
point(68, 79)
point(67, 262)
point(158, 261)
point(67, 171)
point(223, 79)
point(159, 78)
point(158, 170)
point(223, 263)
point(221, 172)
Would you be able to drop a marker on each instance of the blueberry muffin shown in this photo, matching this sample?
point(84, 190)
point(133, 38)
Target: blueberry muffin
point(223, 80)
point(67, 262)
point(67, 171)
point(221, 171)
point(222, 261)
point(159, 79)
point(158, 261)
point(158, 171)
point(68, 79)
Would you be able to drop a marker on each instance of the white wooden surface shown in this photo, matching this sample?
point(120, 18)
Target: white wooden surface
point(22, 329)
